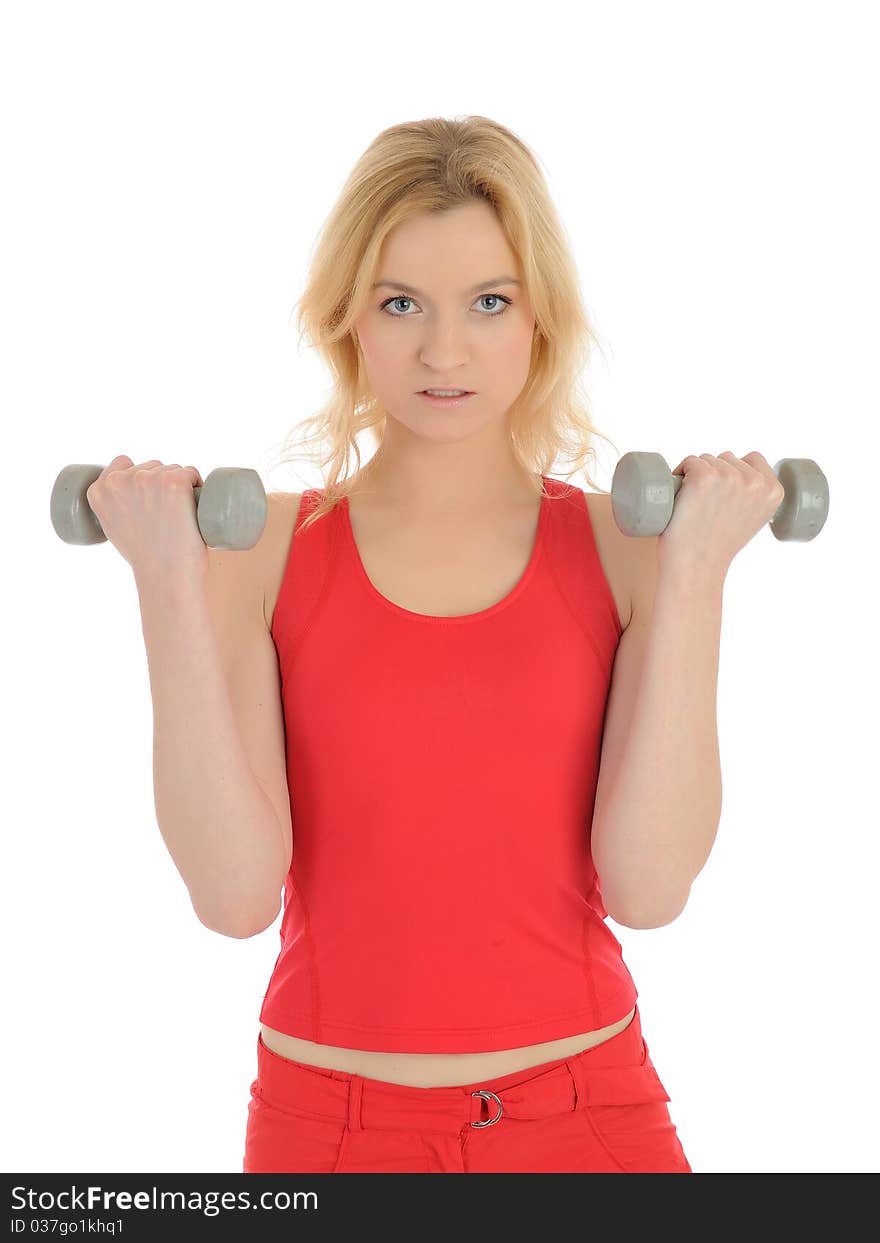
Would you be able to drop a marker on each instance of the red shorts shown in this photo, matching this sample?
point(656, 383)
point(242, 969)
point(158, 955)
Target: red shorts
point(601, 1111)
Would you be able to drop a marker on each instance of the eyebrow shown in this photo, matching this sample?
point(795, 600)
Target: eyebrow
point(495, 280)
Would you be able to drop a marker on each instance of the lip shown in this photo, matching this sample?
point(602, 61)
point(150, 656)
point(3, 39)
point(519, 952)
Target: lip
point(445, 403)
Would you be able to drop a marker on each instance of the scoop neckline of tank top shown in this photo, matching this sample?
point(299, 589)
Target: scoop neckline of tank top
point(460, 618)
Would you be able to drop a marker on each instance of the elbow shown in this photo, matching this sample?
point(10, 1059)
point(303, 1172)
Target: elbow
point(645, 915)
point(240, 925)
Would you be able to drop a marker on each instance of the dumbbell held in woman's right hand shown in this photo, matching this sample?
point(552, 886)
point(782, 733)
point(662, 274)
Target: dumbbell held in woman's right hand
point(643, 492)
point(230, 507)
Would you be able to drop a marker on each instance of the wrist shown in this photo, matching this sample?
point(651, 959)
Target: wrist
point(692, 575)
point(169, 582)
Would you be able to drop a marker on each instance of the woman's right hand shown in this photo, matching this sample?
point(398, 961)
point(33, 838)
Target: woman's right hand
point(148, 512)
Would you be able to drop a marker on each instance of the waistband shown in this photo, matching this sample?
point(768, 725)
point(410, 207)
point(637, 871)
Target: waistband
point(619, 1071)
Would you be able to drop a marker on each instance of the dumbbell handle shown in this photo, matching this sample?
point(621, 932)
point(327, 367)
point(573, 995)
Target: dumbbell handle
point(230, 507)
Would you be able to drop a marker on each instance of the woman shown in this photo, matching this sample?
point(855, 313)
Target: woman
point(420, 689)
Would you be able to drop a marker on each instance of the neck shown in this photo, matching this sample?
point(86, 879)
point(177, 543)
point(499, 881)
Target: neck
point(448, 478)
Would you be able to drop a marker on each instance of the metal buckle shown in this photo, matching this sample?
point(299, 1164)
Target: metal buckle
point(489, 1095)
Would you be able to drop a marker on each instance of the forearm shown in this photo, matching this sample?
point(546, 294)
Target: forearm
point(215, 819)
point(659, 820)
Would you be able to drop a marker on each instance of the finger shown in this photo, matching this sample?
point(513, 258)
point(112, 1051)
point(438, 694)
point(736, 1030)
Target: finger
point(729, 457)
point(120, 462)
point(193, 476)
point(758, 462)
point(690, 461)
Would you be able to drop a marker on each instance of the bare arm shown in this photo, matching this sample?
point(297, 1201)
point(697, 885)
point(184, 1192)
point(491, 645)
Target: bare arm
point(658, 801)
point(216, 725)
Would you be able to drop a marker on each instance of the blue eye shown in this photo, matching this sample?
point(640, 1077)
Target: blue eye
point(403, 298)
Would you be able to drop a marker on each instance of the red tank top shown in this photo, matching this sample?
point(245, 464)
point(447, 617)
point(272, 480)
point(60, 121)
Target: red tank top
point(442, 771)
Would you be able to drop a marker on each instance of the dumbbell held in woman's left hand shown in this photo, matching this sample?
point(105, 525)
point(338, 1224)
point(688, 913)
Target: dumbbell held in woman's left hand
point(644, 493)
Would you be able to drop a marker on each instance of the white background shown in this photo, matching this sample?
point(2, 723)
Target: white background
point(167, 168)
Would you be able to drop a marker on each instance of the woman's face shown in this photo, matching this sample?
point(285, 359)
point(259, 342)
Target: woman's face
point(462, 329)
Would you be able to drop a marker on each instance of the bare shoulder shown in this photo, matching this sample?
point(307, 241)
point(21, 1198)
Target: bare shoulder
point(624, 559)
point(274, 545)
point(245, 582)
point(632, 558)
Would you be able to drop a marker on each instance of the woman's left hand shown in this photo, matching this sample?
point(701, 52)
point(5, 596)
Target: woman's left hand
point(723, 502)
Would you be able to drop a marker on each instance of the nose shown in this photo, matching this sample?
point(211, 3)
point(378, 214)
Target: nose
point(444, 346)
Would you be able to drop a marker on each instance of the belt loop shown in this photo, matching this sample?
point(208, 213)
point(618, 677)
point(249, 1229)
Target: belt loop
point(575, 1067)
point(355, 1096)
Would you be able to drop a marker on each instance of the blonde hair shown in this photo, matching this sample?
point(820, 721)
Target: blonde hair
point(432, 166)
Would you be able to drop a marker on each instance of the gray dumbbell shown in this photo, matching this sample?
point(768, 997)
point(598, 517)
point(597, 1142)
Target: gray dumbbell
point(230, 506)
point(643, 491)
